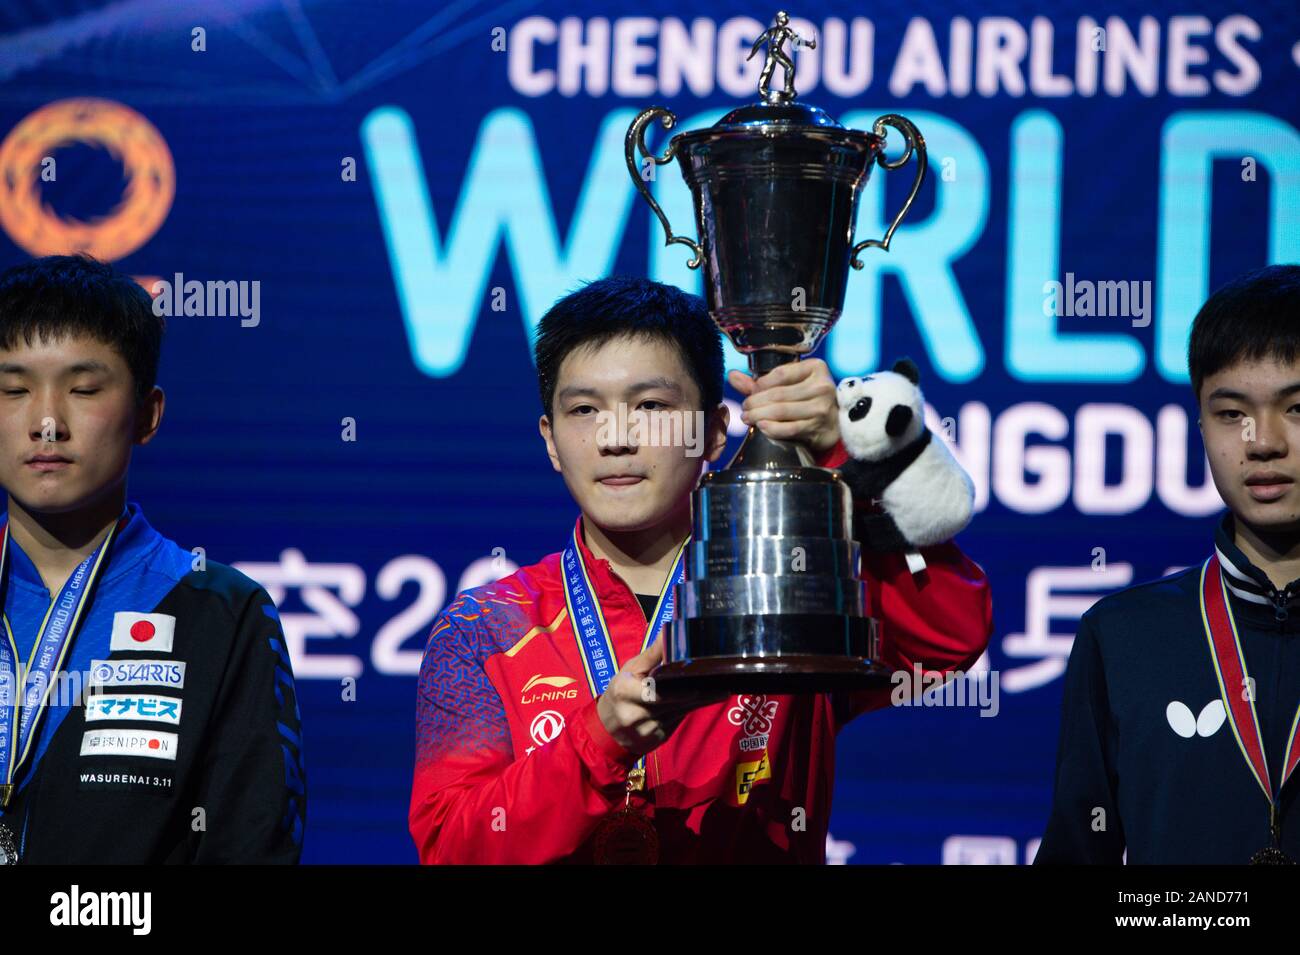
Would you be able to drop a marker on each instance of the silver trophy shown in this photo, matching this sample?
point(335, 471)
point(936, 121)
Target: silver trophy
point(772, 601)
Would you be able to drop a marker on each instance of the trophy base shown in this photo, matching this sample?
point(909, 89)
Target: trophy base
point(771, 675)
point(776, 653)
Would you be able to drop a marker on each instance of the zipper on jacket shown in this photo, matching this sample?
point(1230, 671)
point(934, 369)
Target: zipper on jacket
point(1280, 611)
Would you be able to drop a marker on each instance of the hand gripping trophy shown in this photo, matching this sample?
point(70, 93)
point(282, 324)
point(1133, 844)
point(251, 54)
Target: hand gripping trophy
point(771, 601)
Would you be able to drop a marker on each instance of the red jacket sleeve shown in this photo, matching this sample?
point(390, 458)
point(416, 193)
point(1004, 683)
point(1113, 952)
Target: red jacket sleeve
point(473, 800)
point(941, 618)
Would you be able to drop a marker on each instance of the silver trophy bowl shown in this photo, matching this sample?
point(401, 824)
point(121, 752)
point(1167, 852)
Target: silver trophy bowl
point(772, 601)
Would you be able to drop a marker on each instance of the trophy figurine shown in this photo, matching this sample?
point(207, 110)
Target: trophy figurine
point(772, 601)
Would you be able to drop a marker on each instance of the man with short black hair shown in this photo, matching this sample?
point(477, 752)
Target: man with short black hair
point(536, 746)
point(1179, 722)
point(147, 704)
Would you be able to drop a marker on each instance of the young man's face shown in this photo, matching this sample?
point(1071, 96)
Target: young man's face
point(1250, 422)
point(68, 420)
point(623, 485)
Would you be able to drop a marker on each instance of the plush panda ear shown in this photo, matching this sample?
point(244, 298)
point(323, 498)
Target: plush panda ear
point(907, 368)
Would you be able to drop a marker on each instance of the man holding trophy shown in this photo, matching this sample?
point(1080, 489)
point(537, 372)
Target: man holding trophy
point(553, 725)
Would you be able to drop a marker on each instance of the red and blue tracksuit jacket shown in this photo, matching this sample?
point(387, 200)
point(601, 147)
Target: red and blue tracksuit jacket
point(513, 764)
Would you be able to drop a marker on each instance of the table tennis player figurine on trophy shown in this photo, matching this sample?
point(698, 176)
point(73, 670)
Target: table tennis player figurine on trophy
point(771, 601)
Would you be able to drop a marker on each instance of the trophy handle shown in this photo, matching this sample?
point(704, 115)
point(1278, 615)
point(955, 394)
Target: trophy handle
point(634, 140)
point(915, 143)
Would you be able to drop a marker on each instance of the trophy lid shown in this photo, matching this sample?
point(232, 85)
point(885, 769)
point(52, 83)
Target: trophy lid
point(777, 107)
point(777, 114)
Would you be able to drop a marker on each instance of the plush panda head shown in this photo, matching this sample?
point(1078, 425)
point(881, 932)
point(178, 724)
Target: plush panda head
point(881, 413)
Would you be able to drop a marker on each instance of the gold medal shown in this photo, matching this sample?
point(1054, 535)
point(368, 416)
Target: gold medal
point(1272, 855)
point(626, 838)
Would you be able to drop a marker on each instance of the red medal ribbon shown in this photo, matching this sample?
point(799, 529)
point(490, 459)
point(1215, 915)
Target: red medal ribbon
point(1230, 669)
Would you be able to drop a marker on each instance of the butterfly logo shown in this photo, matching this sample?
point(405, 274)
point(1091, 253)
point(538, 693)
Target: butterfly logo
point(1182, 722)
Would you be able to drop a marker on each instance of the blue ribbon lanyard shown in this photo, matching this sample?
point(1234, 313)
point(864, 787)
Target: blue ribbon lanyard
point(48, 652)
point(599, 660)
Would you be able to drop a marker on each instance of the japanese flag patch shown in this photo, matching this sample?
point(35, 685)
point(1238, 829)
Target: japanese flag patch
point(142, 631)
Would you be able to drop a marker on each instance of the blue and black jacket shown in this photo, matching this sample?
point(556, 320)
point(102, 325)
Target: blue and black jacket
point(187, 754)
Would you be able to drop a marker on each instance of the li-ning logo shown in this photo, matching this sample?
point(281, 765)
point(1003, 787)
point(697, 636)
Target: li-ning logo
point(754, 715)
point(545, 696)
point(103, 908)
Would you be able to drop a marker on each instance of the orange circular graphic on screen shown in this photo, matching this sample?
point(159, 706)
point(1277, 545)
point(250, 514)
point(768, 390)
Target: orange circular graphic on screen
point(128, 137)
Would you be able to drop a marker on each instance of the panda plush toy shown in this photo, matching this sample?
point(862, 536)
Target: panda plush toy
point(894, 460)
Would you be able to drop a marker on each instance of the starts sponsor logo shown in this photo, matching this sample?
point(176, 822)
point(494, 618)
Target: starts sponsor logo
point(142, 631)
point(129, 706)
point(129, 743)
point(544, 689)
point(170, 673)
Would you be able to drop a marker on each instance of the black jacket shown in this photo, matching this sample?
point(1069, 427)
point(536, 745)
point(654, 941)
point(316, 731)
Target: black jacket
point(1148, 763)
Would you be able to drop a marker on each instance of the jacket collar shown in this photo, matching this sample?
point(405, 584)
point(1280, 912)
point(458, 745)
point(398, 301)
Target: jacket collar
point(599, 570)
point(1253, 593)
point(133, 541)
point(606, 582)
